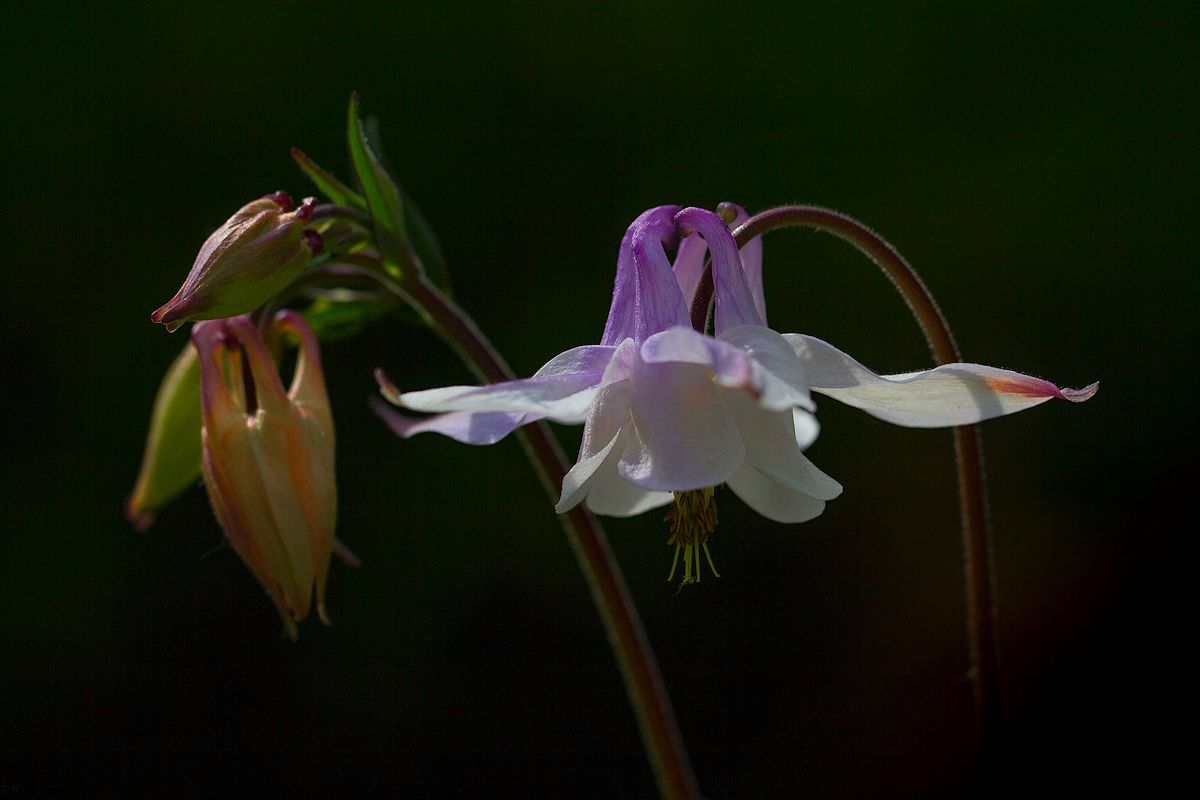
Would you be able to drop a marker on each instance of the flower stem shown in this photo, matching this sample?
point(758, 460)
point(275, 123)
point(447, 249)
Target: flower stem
point(968, 447)
point(643, 682)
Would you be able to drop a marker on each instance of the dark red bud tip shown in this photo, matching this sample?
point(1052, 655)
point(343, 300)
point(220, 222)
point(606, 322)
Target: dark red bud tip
point(281, 199)
point(313, 240)
point(307, 207)
point(140, 522)
point(169, 314)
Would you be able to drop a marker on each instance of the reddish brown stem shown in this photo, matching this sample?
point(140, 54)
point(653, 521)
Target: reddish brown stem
point(968, 447)
point(643, 681)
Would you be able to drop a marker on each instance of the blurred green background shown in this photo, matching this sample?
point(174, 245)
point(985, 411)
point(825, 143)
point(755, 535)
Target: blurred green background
point(1036, 162)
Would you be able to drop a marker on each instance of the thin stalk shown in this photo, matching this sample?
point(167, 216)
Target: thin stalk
point(968, 447)
point(643, 681)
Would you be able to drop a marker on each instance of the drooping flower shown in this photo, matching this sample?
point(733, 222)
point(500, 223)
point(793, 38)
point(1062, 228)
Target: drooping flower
point(245, 262)
point(269, 459)
point(670, 413)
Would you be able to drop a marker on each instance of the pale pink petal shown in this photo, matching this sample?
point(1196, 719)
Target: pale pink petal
point(952, 394)
point(772, 448)
point(773, 499)
point(469, 427)
point(684, 437)
point(562, 390)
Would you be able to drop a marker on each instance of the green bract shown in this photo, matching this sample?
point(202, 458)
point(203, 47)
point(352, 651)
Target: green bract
point(171, 460)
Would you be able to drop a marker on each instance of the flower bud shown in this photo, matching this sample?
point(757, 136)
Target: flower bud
point(171, 460)
point(245, 262)
point(269, 459)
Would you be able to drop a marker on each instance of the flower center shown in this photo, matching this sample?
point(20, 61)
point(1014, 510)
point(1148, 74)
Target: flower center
point(693, 518)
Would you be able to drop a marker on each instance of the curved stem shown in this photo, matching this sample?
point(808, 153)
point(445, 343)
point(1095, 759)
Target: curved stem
point(968, 447)
point(643, 682)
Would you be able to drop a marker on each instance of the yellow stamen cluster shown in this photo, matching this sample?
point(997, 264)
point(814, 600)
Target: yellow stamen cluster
point(693, 518)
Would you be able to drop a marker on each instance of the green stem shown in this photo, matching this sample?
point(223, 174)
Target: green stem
point(968, 447)
point(643, 682)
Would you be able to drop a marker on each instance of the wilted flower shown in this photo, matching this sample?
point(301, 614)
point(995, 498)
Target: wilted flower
point(671, 413)
point(269, 459)
point(245, 262)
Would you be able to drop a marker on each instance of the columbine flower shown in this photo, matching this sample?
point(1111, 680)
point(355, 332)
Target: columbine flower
point(245, 262)
point(268, 459)
point(671, 413)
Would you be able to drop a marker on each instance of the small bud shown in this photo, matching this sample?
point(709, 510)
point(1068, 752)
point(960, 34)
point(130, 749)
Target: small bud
point(269, 459)
point(171, 460)
point(245, 262)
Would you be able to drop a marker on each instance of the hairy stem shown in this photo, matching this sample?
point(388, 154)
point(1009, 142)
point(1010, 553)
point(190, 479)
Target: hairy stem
point(968, 447)
point(643, 682)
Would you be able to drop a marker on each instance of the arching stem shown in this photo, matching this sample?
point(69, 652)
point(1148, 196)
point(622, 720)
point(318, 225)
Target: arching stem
point(643, 681)
point(968, 447)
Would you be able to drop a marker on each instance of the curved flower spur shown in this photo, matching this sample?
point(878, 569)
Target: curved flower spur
point(671, 413)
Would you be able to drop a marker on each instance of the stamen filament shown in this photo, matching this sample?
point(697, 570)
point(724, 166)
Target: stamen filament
point(708, 555)
point(692, 518)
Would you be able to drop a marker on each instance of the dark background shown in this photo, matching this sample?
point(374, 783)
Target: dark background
point(1036, 162)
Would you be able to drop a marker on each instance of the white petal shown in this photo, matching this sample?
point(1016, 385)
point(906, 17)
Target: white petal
point(781, 380)
point(771, 498)
point(563, 389)
point(602, 435)
point(750, 357)
point(807, 427)
point(684, 438)
point(597, 478)
point(772, 447)
point(576, 481)
point(952, 394)
point(614, 496)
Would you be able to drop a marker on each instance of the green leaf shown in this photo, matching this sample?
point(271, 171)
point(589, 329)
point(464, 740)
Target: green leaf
point(333, 321)
point(423, 239)
point(337, 192)
point(383, 198)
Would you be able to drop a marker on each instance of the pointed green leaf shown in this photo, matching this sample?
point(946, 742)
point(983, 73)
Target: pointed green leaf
point(382, 196)
point(337, 192)
point(421, 234)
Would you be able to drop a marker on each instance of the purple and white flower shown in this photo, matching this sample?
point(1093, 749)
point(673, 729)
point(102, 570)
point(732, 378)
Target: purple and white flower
point(668, 410)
